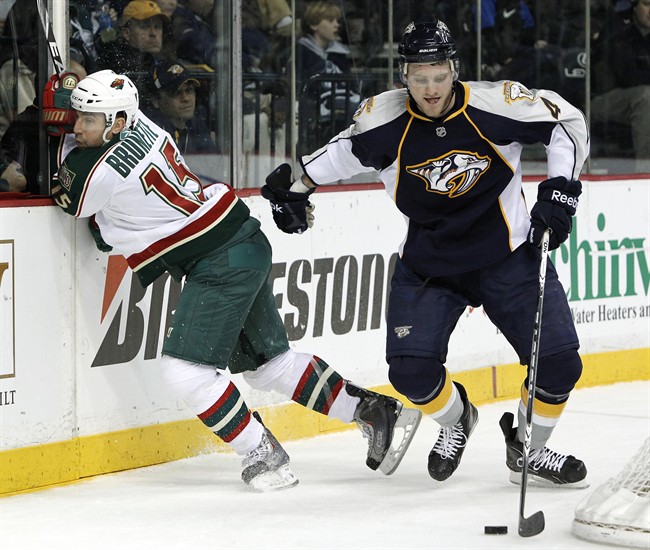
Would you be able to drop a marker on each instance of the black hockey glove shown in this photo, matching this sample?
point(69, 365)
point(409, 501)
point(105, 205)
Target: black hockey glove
point(102, 245)
point(557, 200)
point(292, 212)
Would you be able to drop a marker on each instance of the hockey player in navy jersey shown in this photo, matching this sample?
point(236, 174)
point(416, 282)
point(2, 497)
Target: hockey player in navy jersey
point(449, 155)
point(126, 174)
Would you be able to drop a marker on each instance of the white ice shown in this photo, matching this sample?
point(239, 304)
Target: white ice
point(200, 503)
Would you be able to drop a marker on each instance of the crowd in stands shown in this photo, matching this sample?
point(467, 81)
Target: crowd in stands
point(167, 45)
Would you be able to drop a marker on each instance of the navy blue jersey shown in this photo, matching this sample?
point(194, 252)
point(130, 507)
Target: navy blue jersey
point(458, 178)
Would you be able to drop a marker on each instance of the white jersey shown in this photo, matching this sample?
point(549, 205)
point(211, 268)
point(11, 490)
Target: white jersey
point(457, 178)
point(148, 205)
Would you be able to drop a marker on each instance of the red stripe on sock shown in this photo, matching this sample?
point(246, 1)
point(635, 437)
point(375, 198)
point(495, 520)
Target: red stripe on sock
point(332, 397)
point(303, 382)
point(239, 428)
point(219, 403)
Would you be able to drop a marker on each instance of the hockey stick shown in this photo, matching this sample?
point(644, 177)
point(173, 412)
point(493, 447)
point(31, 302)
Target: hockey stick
point(533, 525)
point(55, 52)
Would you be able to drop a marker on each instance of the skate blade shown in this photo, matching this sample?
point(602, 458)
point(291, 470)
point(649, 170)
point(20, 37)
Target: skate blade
point(536, 481)
point(282, 478)
point(407, 421)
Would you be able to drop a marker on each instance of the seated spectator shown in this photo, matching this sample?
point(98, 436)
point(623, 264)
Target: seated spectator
point(168, 8)
point(195, 38)
point(173, 107)
point(12, 178)
point(507, 28)
point(82, 40)
point(19, 151)
point(621, 74)
point(20, 145)
point(271, 19)
point(18, 61)
point(140, 43)
point(567, 22)
point(319, 52)
point(270, 16)
point(105, 22)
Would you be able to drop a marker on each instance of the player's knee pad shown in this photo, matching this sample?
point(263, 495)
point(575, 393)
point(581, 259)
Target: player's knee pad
point(199, 386)
point(557, 374)
point(415, 377)
point(281, 373)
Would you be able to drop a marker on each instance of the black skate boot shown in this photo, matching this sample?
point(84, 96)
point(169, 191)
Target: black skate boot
point(378, 416)
point(445, 456)
point(546, 468)
point(266, 468)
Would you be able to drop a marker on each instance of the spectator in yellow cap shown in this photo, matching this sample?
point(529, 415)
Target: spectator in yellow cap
point(142, 25)
point(140, 43)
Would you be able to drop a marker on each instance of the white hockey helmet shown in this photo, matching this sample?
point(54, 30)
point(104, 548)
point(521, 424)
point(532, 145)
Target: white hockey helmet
point(109, 93)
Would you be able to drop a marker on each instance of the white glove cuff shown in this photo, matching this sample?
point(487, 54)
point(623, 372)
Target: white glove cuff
point(299, 187)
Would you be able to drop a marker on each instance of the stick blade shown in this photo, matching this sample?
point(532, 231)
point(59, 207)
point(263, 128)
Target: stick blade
point(534, 525)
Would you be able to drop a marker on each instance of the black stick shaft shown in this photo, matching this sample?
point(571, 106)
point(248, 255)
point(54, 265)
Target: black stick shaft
point(535, 524)
point(55, 52)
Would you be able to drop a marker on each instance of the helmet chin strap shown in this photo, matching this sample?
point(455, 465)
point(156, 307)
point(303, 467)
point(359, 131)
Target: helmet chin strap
point(109, 126)
point(105, 135)
point(451, 98)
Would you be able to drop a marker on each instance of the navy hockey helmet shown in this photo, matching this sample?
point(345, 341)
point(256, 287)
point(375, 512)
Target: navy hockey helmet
point(427, 42)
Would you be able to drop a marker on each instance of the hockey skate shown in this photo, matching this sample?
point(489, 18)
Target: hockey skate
point(445, 456)
point(378, 417)
point(266, 468)
point(546, 468)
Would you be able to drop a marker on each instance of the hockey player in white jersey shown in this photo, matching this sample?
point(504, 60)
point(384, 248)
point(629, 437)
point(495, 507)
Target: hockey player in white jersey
point(449, 155)
point(125, 173)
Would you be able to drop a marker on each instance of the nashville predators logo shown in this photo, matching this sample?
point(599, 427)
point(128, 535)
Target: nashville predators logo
point(365, 106)
point(512, 91)
point(401, 332)
point(175, 69)
point(453, 174)
point(118, 83)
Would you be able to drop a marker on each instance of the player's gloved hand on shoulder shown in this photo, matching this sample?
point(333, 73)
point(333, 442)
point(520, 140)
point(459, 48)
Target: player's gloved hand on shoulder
point(292, 211)
point(58, 115)
point(557, 200)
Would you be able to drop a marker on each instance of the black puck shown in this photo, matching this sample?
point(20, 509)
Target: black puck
point(496, 529)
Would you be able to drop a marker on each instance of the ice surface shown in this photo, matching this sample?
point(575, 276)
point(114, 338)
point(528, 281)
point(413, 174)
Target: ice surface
point(200, 503)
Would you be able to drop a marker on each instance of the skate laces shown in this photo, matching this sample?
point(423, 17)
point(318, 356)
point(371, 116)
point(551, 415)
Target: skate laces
point(365, 426)
point(366, 431)
point(259, 453)
point(450, 440)
point(545, 458)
